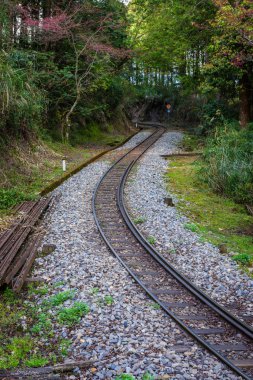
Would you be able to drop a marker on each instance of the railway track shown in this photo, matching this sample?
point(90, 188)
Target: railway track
point(216, 329)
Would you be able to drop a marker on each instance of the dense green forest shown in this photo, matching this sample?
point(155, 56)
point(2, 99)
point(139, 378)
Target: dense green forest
point(71, 68)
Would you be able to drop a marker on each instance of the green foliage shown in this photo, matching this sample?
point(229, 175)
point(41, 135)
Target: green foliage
point(151, 240)
point(64, 346)
point(11, 355)
point(125, 376)
point(36, 361)
point(72, 315)
point(44, 324)
point(228, 163)
point(148, 376)
point(108, 300)
point(243, 259)
point(11, 197)
point(94, 291)
point(155, 306)
point(139, 220)
point(191, 227)
point(21, 102)
point(60, 298)
point(217, 219)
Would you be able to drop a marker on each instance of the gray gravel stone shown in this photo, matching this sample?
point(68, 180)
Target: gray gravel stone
point(127, 335)
point(202, 263)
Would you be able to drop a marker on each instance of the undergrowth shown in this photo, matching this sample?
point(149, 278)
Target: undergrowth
point(216, 219)
point(27, 329)
point(228, 163)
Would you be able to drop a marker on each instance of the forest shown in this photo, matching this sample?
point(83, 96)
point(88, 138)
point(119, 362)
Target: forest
point(71, 69)
point(126, 189)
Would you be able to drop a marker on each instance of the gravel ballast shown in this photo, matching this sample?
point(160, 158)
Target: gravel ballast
point(218, 275)
point(124, 332)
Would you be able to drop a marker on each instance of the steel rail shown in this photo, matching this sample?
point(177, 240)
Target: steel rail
point(230, 318)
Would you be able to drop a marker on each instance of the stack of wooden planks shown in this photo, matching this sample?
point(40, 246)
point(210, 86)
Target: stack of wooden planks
point(19, 244)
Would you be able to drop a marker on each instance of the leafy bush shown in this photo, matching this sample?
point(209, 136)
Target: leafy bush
point(11, 197)
point(228, 163)
point(243, 258)
point(21, 102)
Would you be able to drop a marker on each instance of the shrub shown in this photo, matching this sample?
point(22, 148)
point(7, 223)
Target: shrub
point(21, 102)
point(228, 163)
point(11, 197)
point(243, 258)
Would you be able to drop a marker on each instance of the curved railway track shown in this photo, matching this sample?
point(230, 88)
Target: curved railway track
point(216, 329)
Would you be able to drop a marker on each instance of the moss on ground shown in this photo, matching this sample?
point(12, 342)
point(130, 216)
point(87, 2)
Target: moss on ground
point(27, 331)
point(217, 219)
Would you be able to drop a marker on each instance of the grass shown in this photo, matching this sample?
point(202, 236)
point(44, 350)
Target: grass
point(94, 291)
point(155, 306)
point(72, 315)
point(27, 332)
point(128, 376)
point(151, 240)
point(192, 143)
point(216, 219)
point(27, 169)
point(139, 220)
point(108, 300)
point(36, 361)
point(60, 298)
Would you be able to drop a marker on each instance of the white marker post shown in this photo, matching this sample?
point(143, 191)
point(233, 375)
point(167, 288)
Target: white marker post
point(64, 164)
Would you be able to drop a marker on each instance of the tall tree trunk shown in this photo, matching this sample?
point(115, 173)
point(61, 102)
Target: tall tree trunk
point(245, 100)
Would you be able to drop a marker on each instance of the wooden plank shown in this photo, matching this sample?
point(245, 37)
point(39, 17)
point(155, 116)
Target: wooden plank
point(34, 245)
point(193, 317)
point(161, 292)
point(174, 305)
point(182, 154)
point(178, 348)
point(230, 347)
point(145, 273)
point(8, 233)
point(34, 373)
point(32, 220)
point(243, 363)
point(209, 331)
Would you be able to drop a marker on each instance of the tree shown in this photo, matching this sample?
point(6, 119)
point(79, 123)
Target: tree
point(233, 45)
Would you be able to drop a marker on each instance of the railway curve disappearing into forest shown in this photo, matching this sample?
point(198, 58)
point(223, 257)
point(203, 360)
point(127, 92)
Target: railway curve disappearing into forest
point(216, 329)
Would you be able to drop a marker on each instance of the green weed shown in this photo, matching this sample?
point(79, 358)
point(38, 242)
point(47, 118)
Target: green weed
point(36, 361)
point(191, 227)
point(243, 259)
point(108, 300)
point(125, 376)
point(64, 346)
point(151, 240)
point(38, 290)
point(58, 284)
point(155, 306)
point(60, 298)
point(139, 220)
point(15, 351)
point(94, 291)
point(73, 315)
point(148, 376)
point(216, 219)
point(44, 324)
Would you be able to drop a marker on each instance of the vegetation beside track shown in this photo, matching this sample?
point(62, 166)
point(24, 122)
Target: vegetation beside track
point(216, 219)
point(27, 169)
point(27, 334)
